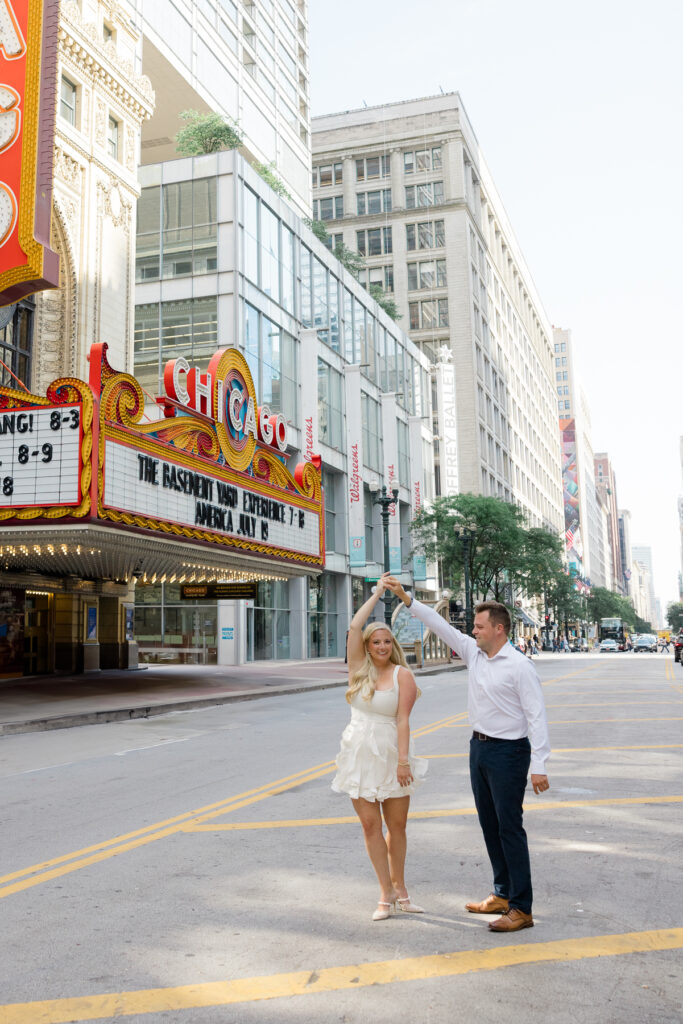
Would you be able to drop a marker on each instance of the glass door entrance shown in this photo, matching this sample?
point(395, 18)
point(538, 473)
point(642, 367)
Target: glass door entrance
point(36, 634)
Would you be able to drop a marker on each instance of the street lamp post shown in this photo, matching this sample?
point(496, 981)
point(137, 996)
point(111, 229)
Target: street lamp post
point(386, 502)
point(467, 535)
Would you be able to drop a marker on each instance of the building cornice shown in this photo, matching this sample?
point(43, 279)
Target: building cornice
point(100, 62)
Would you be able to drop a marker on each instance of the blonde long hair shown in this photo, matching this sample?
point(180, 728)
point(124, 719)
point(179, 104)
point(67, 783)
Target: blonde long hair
point(364, 679)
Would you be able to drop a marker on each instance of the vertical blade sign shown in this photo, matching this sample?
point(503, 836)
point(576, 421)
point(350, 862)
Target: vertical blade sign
point(28, 68)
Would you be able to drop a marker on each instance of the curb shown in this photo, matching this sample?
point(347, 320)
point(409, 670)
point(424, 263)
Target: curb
point(100, 717)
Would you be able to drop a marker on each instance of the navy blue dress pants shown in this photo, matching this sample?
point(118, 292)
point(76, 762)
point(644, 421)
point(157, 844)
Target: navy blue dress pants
point(499, 771)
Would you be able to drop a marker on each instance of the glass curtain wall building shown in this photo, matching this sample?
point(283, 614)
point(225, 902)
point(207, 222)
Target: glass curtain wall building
point(223, 261)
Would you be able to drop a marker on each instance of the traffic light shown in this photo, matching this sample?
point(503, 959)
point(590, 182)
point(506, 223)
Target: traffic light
point(547, 621)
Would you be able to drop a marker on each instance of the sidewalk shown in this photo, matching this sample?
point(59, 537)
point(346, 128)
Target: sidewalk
point(60, 702)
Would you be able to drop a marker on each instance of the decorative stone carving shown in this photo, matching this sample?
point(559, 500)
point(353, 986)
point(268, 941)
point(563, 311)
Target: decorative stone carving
point(130, 149)
point(68, 169)
point(100, 122)
point(114, 205)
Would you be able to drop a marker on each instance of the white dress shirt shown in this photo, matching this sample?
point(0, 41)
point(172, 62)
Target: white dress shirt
point(504, 696)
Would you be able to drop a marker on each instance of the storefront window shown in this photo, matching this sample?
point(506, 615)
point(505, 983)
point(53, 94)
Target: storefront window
point(322, 617)
point(268, 623)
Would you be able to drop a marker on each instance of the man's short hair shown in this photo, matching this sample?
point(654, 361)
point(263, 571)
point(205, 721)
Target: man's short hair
point(498, 614)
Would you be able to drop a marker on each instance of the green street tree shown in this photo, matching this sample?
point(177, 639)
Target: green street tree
point(605, 604)
point(207, 133)
point(540, 561)
point(674, 615)
point(495, 552)
point(564, 601)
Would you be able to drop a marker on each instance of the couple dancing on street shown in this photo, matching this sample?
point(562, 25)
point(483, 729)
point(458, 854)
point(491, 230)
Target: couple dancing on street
point(378, 769)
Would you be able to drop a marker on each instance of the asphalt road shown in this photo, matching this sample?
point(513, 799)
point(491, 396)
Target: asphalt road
point(197, 868)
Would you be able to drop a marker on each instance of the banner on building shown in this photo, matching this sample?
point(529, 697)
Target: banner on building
point(28, 75)
point(417, 496)
point(354, 457)
point(570, 492)
point(447, 424)
point(391, 478)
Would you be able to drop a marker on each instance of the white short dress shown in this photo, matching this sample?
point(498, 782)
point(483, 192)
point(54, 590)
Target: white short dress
point(368, 759)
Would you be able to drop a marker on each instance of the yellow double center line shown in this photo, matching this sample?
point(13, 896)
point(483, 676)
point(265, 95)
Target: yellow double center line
point(47, 870)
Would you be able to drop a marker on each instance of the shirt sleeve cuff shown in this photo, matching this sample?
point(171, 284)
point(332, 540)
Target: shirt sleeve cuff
point(537, 768)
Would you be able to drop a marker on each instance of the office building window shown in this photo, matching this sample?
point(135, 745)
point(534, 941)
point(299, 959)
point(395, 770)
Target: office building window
point(331, 208)
point(176, 230)
point(330, 411)
point(372, 434)
point(272, 356)
point(403, 453)
point(422, 160)
point(374, 202)
point(374, 242)
point(425, 235)
point(67, 101)
point(371, 167)
point(383, 276)
point(428, 315)
point(369, 527)
point(429, 274)
point(329, 482)
point(327, 174)
point(305, 257)
point(332, 241)
point(167, 330)
point(113, 137)
point(429, 194)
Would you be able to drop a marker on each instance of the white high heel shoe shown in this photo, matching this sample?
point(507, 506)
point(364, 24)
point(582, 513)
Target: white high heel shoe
point(407, 907)
point(385, 911)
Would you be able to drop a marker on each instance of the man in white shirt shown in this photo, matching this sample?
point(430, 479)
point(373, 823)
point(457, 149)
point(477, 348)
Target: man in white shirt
point(507, 714)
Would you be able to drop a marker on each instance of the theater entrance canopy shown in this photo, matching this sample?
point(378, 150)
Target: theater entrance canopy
point(92, 489)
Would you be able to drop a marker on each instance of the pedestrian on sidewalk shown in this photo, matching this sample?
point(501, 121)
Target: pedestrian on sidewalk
point(376, 764)
point(507, 713)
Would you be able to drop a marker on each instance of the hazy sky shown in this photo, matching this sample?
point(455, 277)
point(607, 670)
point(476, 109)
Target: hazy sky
point(578, 110)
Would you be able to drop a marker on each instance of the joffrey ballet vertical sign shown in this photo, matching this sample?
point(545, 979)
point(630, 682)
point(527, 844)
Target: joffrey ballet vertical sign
point(28, 73)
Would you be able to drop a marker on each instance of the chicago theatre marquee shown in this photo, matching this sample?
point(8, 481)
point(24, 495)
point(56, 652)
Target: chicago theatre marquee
point(92, 499)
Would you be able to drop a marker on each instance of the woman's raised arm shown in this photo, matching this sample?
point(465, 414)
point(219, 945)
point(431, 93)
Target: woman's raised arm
point(355, 648)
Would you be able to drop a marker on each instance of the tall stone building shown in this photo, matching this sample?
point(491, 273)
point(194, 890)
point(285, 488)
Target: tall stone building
point(606, 486)
point(102, 103)
point(406, 185)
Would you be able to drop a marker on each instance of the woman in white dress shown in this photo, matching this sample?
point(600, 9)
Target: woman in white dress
point(376, 764)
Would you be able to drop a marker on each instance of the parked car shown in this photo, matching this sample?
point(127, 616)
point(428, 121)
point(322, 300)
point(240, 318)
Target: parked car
point(578, 645)
point(646, 642)
point(678, 647)
point(608, 646)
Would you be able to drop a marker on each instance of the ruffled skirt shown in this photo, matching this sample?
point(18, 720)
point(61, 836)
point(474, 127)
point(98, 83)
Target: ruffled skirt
point(368, 759)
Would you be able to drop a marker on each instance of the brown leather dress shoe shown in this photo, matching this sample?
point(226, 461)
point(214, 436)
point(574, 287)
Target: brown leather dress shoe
point(491, 905)
point(512, 921)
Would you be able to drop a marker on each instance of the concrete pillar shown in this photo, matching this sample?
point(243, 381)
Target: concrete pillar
point(298, 618)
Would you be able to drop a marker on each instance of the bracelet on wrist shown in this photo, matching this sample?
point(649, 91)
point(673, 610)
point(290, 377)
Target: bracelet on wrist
point(404, 764)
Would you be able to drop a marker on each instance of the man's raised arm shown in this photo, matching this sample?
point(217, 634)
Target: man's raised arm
point(463, 645)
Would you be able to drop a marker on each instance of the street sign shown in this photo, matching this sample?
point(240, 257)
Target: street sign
point(217, 591)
